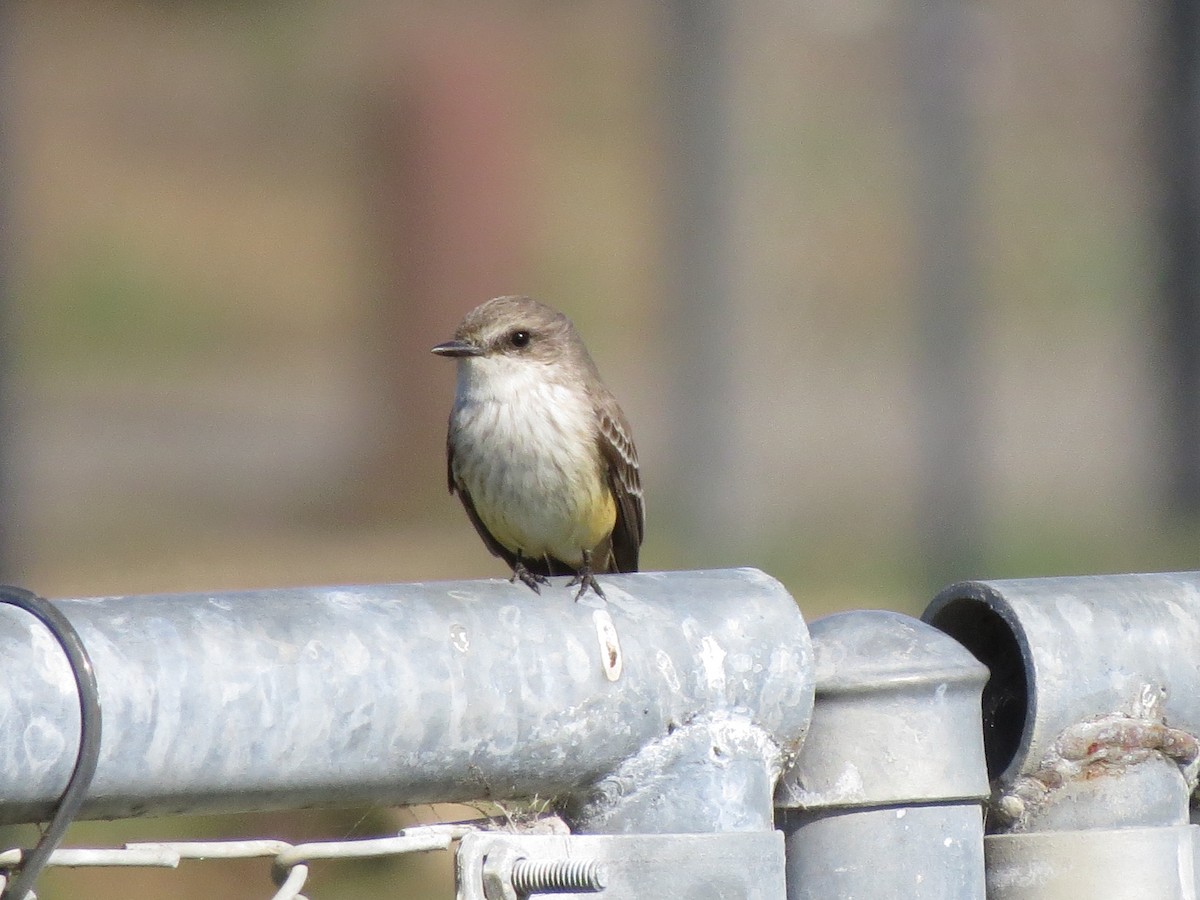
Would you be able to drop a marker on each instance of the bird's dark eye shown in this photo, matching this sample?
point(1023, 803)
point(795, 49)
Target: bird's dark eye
point(519, 338)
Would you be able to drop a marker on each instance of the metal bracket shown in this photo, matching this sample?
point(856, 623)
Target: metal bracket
point(730, 866)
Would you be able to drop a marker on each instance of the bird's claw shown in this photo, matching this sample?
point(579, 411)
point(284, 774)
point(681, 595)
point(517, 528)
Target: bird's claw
point(531, 579)
point(585, 579)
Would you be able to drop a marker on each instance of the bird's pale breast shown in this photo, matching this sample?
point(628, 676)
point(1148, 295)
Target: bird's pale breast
point(525, 450)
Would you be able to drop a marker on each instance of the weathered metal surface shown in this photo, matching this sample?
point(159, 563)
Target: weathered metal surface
point(885, 797)
point(1117, 864)
point(1093, 707)
point(1083, 647)
point(392, 693)
point(897, 716)
point(917, 852)
point(716, 773)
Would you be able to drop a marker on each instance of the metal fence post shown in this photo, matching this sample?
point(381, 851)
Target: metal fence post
point(884, 799)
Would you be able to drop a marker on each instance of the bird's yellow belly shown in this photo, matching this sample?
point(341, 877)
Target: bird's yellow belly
point(560, 522)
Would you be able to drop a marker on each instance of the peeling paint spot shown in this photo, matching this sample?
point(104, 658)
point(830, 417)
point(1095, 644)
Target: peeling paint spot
point(741, 662)
point(459, 639)
point(353, 656)
point(343, 599)
point(712, 658)
point(663, 661)
point(44, 744)
point(232, 692)
point(610, 646)
point(510, 617)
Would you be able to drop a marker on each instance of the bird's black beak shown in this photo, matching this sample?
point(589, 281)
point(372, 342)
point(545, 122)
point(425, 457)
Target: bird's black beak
point(457, 349)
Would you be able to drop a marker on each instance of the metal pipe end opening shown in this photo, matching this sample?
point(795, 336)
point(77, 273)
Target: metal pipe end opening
point(964, 612)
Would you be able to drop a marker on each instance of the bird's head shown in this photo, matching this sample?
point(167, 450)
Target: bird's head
point(513, 328)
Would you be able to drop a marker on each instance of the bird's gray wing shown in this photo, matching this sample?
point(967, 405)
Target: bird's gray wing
point(625, 482)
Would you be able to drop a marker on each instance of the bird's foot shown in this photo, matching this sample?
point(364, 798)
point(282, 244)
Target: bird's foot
point(532, 579)
point(585, 579)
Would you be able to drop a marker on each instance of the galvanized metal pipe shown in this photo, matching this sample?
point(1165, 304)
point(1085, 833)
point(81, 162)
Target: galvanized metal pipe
point(885, 798)
point(717, 773)
point(1065, 653)
point(1118, 864)
point(1092, 720)
point(392, 694)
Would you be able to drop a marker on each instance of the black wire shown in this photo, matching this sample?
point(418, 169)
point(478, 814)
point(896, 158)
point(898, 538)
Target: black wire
point(72, 798)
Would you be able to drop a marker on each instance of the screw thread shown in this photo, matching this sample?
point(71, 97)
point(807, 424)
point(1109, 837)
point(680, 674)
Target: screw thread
point(532, 876)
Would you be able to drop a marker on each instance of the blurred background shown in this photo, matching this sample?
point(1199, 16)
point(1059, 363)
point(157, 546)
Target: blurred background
point(893, 293)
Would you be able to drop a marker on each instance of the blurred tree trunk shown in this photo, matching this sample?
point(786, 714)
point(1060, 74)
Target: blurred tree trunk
point(449, 206)
point(949, 298)
point(8, 338)
point(1179, 229)
point(706, 434)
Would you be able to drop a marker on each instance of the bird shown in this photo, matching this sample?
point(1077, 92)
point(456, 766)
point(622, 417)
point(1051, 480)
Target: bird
point(538, 449)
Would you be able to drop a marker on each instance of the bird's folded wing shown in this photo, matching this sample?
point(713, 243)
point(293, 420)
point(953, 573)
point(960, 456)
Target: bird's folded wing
point(624, 480)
